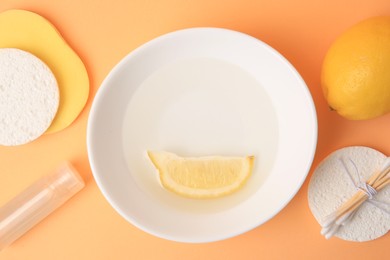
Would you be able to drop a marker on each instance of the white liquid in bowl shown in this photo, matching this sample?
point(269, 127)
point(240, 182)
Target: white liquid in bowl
point(200, 107)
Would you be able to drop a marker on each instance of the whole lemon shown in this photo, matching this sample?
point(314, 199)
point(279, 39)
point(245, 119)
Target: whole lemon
point(355, 75)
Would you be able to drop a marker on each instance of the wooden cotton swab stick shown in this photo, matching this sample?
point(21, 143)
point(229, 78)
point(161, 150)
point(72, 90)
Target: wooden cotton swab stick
point(376, 182)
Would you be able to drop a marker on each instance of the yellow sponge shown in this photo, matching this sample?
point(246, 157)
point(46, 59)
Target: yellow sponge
point(32, 33)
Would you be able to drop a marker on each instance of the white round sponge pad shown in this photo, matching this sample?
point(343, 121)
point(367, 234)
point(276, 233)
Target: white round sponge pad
point(29, 97)
point(330, 187)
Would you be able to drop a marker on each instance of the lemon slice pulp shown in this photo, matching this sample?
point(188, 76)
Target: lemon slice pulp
point(201, 177)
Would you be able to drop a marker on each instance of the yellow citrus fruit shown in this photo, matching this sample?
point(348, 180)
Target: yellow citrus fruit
point(201, 177)
point(355, 75)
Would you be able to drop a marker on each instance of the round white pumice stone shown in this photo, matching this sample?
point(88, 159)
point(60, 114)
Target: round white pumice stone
point(29, 97)
point(330, 187)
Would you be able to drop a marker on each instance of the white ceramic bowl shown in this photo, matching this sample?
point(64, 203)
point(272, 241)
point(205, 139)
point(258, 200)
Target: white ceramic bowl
point(201, 91)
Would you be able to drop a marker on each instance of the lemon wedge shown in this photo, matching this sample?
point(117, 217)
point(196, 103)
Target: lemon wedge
point(201, 177)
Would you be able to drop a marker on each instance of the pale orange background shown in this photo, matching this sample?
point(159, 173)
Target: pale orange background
point(104, 31)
